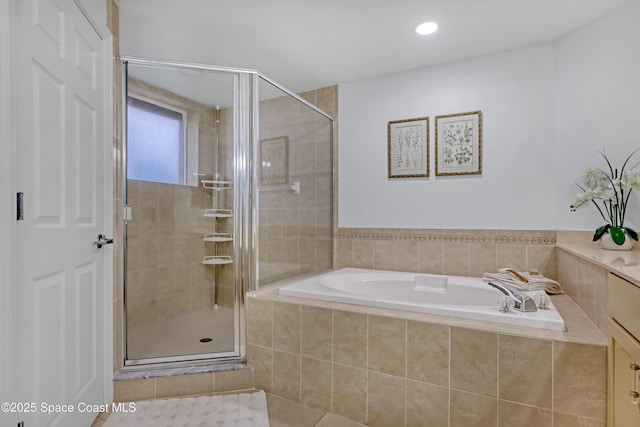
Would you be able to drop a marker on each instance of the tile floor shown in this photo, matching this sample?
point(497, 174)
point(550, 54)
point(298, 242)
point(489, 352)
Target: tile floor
point(285, 413)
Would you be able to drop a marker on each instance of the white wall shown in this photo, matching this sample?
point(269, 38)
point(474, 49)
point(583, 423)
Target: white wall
point(514, 93)
point(597, 105)
point(543, 119)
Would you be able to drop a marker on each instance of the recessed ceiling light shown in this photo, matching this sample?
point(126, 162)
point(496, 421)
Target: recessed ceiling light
point(426, 28)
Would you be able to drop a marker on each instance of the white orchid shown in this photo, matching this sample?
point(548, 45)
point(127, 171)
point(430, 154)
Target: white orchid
point(631, 179)
point(610, 194)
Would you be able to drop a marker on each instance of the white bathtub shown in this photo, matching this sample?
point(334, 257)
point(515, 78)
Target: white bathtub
point(465, 297)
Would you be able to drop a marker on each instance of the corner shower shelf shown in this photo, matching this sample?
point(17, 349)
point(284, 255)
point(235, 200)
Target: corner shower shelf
point(217, 260)
point(216, 185)
point(218, 213)
point(218, 237)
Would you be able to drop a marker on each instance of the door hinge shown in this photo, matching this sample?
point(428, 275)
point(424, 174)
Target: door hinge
point(21, 424)
point(20, 206)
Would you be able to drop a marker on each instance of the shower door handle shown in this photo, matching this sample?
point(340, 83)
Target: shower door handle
point(102, 240)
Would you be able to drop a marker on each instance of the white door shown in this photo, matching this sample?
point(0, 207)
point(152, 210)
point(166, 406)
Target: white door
point(59, 90)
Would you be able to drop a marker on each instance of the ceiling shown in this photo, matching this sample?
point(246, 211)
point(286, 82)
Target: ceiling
point(306, 45)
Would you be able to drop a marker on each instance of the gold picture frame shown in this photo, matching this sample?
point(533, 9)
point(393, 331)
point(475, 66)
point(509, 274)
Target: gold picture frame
point(408, 148)
point(459, 144)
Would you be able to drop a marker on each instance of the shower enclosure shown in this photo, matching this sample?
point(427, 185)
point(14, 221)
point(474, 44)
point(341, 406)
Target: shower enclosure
point(228, 187)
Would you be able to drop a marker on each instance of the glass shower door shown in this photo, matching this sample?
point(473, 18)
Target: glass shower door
point(181, 298)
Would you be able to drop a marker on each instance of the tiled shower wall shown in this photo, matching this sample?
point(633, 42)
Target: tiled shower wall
point(165, 247)
point(165, 275)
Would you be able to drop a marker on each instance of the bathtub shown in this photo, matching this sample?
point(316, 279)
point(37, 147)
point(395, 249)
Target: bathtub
point(464, 297)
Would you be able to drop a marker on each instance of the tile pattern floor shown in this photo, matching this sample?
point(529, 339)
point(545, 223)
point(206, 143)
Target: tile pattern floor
point(181, 335)
point(285, 413)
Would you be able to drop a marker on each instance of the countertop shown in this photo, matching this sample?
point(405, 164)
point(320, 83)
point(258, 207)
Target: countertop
point(625, 264)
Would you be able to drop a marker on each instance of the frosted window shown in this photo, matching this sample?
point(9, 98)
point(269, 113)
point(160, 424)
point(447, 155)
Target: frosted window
point(155, 144)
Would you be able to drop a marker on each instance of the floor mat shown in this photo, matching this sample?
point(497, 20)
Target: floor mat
point(241, 410)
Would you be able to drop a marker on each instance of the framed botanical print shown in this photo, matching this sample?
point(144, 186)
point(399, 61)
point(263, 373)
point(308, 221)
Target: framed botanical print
point(459, 144)
point(408, 148)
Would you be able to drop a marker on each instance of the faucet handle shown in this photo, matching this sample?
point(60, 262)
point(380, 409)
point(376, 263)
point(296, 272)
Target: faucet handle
point(542, 301)
point(506, 304)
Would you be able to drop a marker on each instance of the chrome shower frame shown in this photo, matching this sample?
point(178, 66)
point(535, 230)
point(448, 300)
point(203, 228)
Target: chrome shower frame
point(245, 203)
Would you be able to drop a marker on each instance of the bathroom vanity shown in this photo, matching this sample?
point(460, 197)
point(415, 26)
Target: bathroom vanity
point(606, 285)
point(624, 352)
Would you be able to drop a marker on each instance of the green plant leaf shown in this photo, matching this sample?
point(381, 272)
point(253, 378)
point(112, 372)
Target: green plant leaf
point(617, 235)
point(600, 231)
point(632, 233)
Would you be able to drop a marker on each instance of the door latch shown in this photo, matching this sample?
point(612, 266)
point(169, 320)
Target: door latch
point(102, 240)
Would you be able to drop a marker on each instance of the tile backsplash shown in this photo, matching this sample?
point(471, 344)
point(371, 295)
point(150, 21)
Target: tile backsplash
point(451, 252)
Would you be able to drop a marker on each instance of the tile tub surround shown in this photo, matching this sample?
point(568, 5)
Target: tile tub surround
point(444, 251)
point(386, 367)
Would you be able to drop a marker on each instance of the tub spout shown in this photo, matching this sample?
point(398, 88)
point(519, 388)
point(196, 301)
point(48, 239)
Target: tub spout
point(522, 302)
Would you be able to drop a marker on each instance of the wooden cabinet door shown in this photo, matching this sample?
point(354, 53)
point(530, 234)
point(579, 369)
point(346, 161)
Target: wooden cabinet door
point(624, 351)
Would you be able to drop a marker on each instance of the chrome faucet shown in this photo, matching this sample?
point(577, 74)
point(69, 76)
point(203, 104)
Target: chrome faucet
point(522, 301)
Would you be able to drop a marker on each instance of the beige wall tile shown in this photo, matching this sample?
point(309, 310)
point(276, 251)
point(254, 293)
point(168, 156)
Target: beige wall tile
point(350, 392)
point(430, 255)
point(386, 400)
point(350, 339)
point(543, 258)
point(525, 370)
point(316, 383)
point(132, 390)
point(261, 359)
point(568, 272)
point(579, 383)
point(455, 258)
point(474, 361)
point(286, 327)
point(512, 414)
point(482, 259)
point(317, 333)
point(427, 405)
point(387, 345)
point(237, 379)
point(184, 385)
point(286, 375)
point(591, 293)
point(408, 256)
point(384, 255)
point(343, 253)
point(428, 352)
point(259, 322)
point(363, 253)
point(511, 256)
point(473, 410)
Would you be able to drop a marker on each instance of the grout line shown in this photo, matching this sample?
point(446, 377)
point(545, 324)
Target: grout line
point(366, 392)
point(449, 380)
point(332, 364)
point(406, 369)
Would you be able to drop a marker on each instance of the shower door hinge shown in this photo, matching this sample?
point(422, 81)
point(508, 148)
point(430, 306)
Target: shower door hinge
point(21, 424)
point(126, 213)
point(20, 206)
